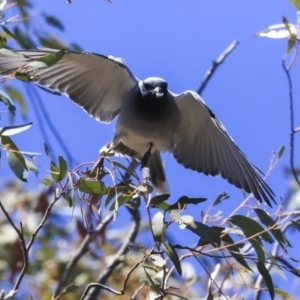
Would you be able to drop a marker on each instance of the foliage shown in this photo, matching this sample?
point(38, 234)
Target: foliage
point(69, 247)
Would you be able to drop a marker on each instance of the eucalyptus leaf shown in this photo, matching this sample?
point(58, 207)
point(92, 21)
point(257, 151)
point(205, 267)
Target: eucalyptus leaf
point(172, 254)
point(267, 278)
point(12, 130)
point(8, 102)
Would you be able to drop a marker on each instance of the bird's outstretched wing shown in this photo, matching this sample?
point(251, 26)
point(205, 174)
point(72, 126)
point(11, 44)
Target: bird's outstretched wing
point(202, 143)
point(97, 83)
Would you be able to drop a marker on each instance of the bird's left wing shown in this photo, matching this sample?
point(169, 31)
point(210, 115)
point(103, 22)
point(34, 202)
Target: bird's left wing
point(202, 143)
point(97, 83)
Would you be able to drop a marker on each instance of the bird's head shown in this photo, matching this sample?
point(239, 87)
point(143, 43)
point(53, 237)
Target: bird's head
point(153, 88)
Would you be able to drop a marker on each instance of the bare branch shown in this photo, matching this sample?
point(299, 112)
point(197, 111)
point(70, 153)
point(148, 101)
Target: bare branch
point(292, 126)
point(215, 65)
point(94, 291)
point(83, 249)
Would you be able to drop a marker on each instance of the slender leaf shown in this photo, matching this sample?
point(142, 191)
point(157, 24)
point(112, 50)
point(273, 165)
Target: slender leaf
point(220, 198)
point(275, 231)
point(8, 102)
point(14, 93)
point(157, 260)
point(251, 227)
point(157, 225)
point(54, 22)
point(92, 187)
point(12, 130)
point(63, 168)
point(281, 151)
point(234, 250)
point(172, 254)
point(52, 58)
point(16, 163)
point(267, 278)
point(206, 233)
point(283, 294)
point(296, 225)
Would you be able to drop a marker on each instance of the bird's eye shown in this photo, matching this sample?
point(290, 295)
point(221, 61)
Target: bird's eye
point(147, 86)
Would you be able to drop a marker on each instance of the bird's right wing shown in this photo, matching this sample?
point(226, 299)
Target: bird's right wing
point(97, 83)
point(202, 143)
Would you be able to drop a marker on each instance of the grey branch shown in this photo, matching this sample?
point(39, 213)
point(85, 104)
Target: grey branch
point(92, 291)
point(215, 65)
point(83, 249)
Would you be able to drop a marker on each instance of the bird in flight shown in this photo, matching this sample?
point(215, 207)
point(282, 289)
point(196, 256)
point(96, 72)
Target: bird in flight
point(151, 119)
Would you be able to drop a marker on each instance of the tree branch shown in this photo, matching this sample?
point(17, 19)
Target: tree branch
point(94, 291)
point(83, 249)
point(292, 130)
point(215, 65)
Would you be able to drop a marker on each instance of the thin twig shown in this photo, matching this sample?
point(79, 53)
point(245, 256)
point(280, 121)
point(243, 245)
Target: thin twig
point(32, 239)
point(215, 65)
point(292, 132)
point(26, 248)
point(83, 249)
point(94, 291)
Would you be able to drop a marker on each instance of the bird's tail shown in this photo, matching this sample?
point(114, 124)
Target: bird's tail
point(157, 173)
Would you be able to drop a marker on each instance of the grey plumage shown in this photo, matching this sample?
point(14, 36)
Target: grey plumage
point(148, 114)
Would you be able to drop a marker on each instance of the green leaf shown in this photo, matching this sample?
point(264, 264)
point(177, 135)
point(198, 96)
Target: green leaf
point(16, 163)
point(181, 203)
point(234, 250)
point(184, 201)
point(296, 3)
point(172, 254)
point(8, 102)
point(22, 77)
point(296, 225)
point(67, 196)
point(12, 130)
point(274, 263)
point(52, 58)
point(251, 227)
point(54, 171)
point(8, 32)
point(157, 260)
point(206, 233)
point(210, 295)
point(14, 93)
point(293, 37)
point(157, 224)
point(220, 198)
point(175, 215)
point(92, 187)
point(31, 167)
point(54, 22)
point(15, 159)
point(281, 151)
point(120, 201)
point(283, 294)
point(269, 222)
point(267, 278)
point(2, 41)
point(127, 170)
point(63, 168)
point(47, 151)
point(46, 182)
point(69, 289)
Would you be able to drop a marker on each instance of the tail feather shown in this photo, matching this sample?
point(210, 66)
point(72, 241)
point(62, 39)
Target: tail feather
point(157, 173)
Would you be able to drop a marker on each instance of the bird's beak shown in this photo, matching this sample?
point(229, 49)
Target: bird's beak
point(158, 93)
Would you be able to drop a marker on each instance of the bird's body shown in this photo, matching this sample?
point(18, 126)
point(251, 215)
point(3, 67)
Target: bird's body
point(151, 119)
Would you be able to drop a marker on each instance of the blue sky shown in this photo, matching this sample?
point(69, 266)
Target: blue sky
point(178, 40)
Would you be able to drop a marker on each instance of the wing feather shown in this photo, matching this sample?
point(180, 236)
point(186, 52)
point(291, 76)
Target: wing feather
point(202, 143)
point(97, 83)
